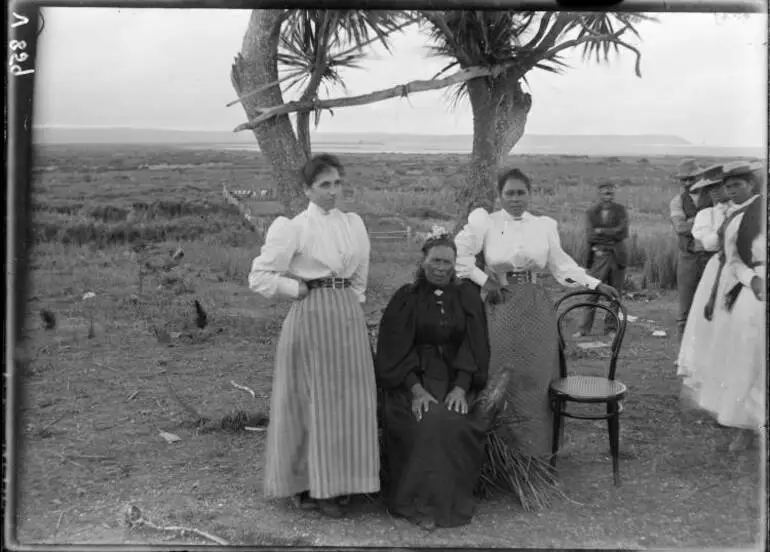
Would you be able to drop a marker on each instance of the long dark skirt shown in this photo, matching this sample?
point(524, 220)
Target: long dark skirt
point(434, 464)
point(323, 427)
point(524, 342)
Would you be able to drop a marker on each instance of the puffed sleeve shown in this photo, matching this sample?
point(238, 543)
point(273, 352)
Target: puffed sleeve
point(563, 267)
point(267, 271)
point(358, 280)
point(397, 360)
point(470, 242)
point(471, 363)
point(703, 230)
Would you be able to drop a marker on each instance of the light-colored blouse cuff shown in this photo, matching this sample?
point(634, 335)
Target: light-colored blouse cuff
point(288, 287)
point(591, 282)
point(579, 279)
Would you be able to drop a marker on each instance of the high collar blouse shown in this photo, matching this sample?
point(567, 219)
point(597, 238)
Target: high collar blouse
point(314, 244)
point(526, 243)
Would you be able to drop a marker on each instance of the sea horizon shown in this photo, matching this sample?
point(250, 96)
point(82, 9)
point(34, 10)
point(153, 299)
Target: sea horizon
point(591, 145)
point(663, 150)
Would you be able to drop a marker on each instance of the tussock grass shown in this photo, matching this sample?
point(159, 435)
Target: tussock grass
point(106, 197)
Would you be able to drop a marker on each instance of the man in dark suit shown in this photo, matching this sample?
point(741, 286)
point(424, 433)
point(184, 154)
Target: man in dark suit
point(607, 258)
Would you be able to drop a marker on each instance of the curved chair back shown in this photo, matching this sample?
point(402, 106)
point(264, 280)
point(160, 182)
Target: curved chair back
point(620, 320)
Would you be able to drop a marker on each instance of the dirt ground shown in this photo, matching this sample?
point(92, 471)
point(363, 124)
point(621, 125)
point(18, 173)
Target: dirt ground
point(94, 407)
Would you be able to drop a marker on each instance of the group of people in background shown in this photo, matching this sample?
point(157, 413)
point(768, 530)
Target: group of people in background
point(473, 313)
point(719, 222)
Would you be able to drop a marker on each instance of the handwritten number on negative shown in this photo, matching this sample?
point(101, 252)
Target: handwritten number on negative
point(17, 58)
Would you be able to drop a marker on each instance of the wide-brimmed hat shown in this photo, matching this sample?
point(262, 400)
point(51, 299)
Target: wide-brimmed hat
point(741, 168)
point(712, 176)
point(688, 168)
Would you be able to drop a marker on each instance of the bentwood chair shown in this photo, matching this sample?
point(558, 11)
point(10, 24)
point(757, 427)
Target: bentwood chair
point(585, 389)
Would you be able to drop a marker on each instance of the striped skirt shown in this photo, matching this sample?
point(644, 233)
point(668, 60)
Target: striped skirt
point(322, 436)
point(524, 341)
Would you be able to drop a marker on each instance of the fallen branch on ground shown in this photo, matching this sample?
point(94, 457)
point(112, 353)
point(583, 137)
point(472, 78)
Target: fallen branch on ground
point(235, 421)
point(70, 460)
point(45, 428)
point(199, 420)
point(244, 388)
point(135, 518)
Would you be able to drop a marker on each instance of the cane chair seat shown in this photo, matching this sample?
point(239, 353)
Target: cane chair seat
point(588, 388)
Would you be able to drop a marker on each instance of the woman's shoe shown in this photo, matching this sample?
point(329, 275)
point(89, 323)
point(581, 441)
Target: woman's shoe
point(330, 508)
point(426, 524)
point(303, 501)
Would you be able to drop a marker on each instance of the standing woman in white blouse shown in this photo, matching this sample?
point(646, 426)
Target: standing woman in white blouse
point(521, 316)
point(322, 439)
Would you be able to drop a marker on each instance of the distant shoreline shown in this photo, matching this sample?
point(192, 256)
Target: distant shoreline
point(667, 150)
point(368, 149)
point(592, 145)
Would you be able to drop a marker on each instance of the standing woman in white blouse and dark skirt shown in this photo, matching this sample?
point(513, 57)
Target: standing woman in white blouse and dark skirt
point(521, 316)
point(322, 439)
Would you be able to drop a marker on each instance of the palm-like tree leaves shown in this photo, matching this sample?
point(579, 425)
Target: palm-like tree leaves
point(325, 41)
point(605, 24)
point(477, 38)
point(316, 44)
point(526, 40)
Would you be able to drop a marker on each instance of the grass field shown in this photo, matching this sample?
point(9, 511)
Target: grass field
point(96, 394)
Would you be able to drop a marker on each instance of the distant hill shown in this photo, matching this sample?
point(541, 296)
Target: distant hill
point(644, 144)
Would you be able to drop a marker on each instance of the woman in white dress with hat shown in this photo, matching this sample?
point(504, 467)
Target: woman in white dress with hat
point(322, 440)
point(732, 382)
point(705, 228)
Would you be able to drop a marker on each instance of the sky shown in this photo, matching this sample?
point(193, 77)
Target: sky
point(704, 78)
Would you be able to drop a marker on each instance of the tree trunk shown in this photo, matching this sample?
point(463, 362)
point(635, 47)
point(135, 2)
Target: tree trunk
point(500, 109)
point(256, 66)
point(303, 117)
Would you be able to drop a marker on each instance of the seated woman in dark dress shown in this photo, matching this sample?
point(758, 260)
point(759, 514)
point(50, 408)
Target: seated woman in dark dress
point(432, 358)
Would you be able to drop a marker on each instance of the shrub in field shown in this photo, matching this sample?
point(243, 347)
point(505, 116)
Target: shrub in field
point(78, 230)
point(660, 266)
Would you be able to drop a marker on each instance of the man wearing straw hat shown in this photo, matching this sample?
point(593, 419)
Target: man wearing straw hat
point(691, 258)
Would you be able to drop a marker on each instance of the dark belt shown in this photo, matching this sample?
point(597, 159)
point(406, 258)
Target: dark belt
point(333, 283)
point(519, 277)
